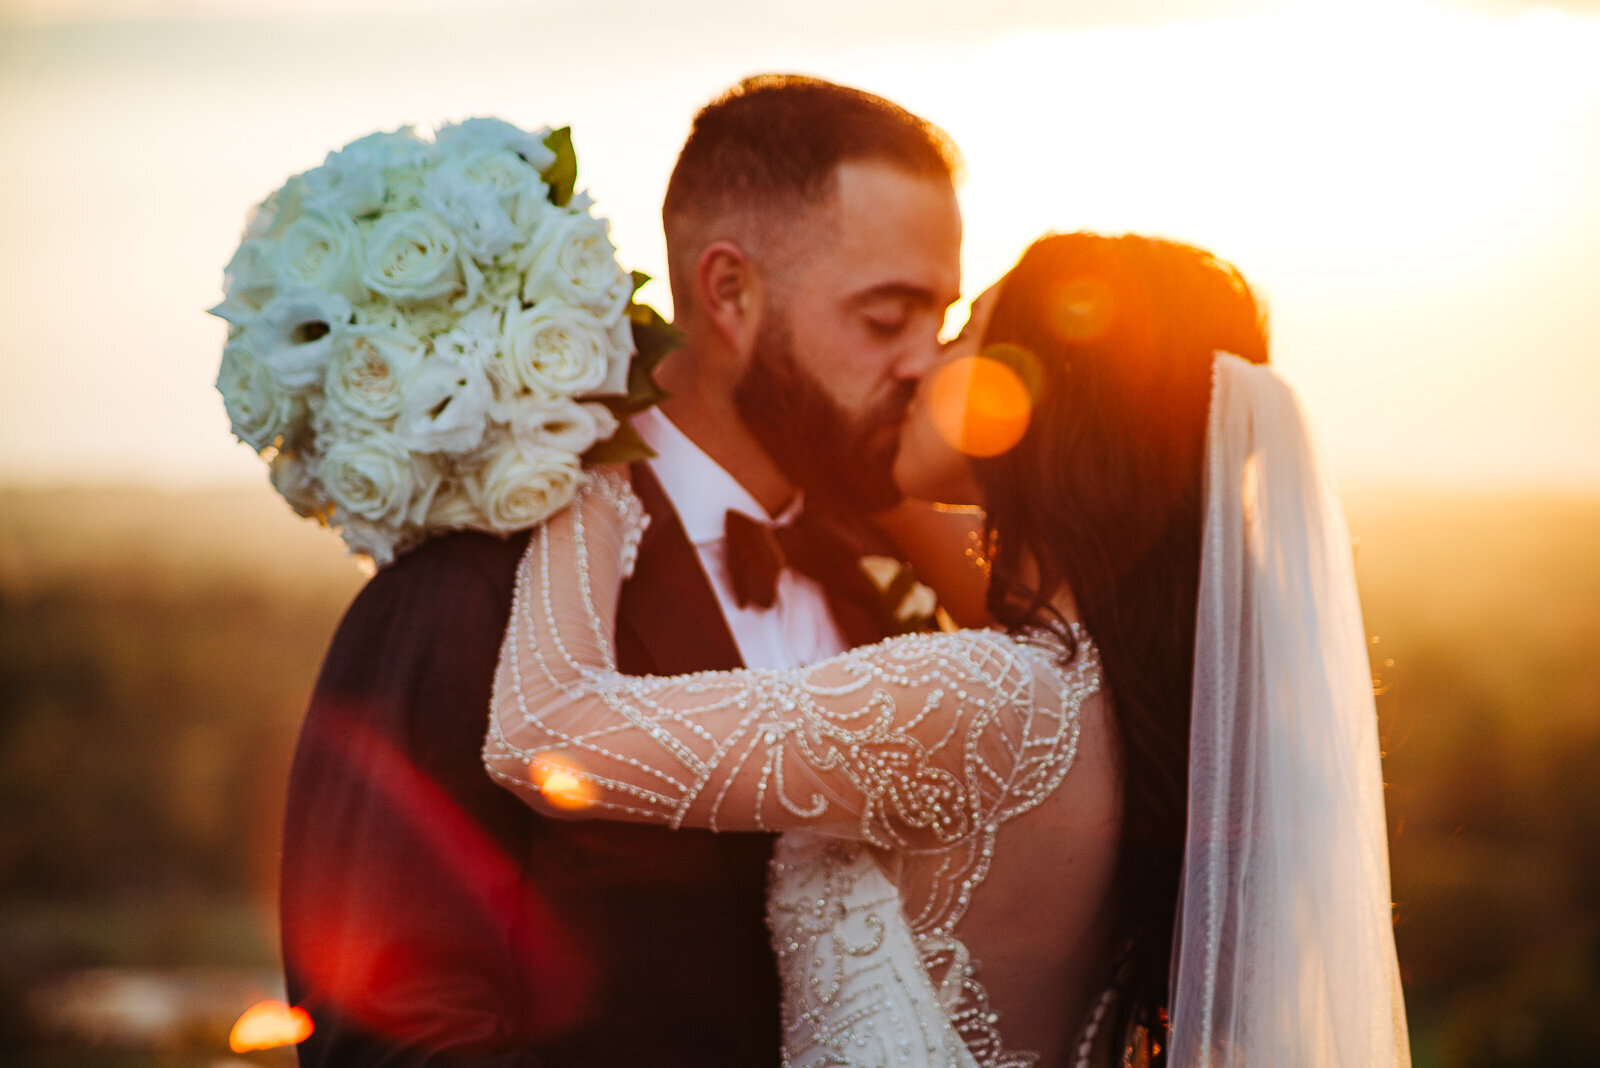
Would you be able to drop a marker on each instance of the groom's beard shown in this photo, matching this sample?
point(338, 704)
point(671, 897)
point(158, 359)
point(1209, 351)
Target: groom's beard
point(816, 443)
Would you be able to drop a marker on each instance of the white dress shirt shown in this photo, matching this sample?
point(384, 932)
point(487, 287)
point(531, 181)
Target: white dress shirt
point(798, 628)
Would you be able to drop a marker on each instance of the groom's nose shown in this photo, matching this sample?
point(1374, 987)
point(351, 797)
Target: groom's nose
point(919, 358)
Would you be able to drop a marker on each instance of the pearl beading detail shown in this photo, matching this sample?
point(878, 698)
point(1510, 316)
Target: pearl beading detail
point(921, 746)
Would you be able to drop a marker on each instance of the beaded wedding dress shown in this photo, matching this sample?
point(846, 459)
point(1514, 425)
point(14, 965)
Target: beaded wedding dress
point(898, 772)
point(891, 769)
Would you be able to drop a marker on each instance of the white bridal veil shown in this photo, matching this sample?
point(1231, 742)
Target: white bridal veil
point(1284, 953)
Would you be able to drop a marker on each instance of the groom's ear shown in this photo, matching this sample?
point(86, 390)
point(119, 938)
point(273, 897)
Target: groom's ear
point(729, 296)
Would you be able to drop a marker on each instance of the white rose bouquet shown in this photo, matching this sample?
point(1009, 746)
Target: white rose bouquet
point(434, 335)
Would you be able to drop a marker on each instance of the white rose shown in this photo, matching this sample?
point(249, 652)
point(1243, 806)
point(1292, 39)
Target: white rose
point(294, 476)
point(571, 257)
point(247, 282)
point(259, 412)
point(295, 334)
point(321, 249)
point(521, 189)
point(517, 487)
point(370, 539)
point(427, 477)
point(383, 151)
point(445, 408)
point(606, 423)
point(272, 216)
point(367, 372)
point(452, 509)
point(554, 348)
point(411, 256)
point(343, 188)
point(368, 475)
point(355, 180)
point(478, 195)
point(487, 133)
point(618, 357)
point(557, 423)
point(473, 339)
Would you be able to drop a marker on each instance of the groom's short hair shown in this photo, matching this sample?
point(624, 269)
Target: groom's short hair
point(772, 145)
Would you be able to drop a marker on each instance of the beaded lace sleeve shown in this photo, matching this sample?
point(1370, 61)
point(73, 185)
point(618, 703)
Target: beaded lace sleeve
point(916, 742)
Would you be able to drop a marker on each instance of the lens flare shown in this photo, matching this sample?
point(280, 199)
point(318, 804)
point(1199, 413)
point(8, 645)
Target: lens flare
point(1081, 308)
point(268, 1025)
point(561, 781)
point(980, 406)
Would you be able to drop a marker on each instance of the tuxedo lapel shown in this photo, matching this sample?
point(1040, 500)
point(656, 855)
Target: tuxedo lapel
point(668, 615)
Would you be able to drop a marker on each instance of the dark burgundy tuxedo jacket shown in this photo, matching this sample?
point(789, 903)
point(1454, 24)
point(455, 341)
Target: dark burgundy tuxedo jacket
point(430, 918)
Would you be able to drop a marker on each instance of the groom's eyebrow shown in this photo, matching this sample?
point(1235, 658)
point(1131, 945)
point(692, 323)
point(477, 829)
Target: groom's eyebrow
point(906, 291)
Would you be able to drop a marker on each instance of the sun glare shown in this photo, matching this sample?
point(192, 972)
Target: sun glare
point(1081, 309)
point(1316, 133)
point(268, 1025)
point(561, 782)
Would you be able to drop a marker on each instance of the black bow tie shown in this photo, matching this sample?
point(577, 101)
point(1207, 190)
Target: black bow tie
point(758, 552)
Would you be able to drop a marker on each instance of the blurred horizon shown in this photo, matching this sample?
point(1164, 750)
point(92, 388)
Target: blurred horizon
point(1407, 184)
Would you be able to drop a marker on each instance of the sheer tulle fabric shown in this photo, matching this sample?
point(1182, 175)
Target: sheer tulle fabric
point(1285, 951)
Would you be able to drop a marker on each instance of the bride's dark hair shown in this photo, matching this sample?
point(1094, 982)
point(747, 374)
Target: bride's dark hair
point(1103, 496)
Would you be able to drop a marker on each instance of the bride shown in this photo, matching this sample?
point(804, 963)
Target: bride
point(1150, 794)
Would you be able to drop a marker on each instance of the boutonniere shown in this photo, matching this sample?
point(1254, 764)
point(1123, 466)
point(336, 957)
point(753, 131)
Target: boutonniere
point(905, 604)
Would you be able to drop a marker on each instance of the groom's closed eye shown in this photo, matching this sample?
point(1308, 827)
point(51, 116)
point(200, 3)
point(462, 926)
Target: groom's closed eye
point(887, 316)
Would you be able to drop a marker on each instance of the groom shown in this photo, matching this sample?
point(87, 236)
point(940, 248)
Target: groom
point(428, 917)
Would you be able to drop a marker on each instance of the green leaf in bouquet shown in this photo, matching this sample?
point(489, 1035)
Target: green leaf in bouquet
point(562, 175)
point(623, 447)
point(653, 339)
point(653, 336)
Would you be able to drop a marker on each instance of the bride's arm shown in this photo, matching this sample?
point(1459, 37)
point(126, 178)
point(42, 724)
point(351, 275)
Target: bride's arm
point(909, 742)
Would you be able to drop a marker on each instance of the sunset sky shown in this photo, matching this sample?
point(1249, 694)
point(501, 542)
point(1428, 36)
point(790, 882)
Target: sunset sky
point(1413, 187)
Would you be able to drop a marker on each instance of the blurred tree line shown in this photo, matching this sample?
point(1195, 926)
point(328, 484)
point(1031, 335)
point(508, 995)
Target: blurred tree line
point(1485, 614)
point(156, 651)
point(155, 656)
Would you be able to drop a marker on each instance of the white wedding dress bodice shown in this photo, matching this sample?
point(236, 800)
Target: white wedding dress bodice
point(890, 769)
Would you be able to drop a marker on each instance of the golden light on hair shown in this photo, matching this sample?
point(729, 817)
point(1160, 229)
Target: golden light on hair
point(269, 1025)
point(979, 405)
point(561, 781)
point(1081, 308)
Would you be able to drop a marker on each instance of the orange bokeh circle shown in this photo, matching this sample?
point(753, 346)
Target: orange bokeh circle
point(268, 1025)
point(980, 406)
point(562, 782)
point(1081, 308)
